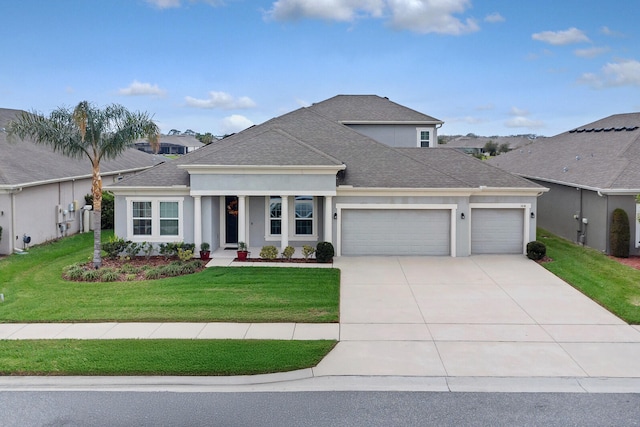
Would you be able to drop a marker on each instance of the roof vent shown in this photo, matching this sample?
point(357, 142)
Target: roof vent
point(565, 169)
point(577, 157)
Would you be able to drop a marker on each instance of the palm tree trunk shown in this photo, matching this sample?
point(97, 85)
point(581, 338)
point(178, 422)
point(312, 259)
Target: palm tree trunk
point(96, 191)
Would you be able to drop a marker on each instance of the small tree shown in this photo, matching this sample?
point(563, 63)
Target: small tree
point(504, 148)
point(620, 234)
point(491, 148)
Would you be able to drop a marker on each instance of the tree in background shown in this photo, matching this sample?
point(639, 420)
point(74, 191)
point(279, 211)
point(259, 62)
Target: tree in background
point(491, 148)
point(91, 132)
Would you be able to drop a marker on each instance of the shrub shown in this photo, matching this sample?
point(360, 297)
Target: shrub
point(107, 212)
point(168, 250)
point(269, 252)
point(109, 275)
point(130, 277)
point(91, 275)
point(115, 246)
point(536, 250)
point(147, 249)
point(171, 270)
point(288, 252)
point(204, 246)
point(324, 252)
point(153, 273)
point(0, 233)
point(132, 249)
point(129, 269)
point(620, 234)
point(308, 251)
point(185, 254)
point(74, 272)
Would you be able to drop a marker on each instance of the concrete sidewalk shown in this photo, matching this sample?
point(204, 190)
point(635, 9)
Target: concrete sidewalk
point(266, 331)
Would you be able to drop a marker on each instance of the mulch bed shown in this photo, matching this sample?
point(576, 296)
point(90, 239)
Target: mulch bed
point(281, 260)
point(139, 261)
point(632, 261)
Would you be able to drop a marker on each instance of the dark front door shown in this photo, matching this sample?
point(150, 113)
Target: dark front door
point(231, 220)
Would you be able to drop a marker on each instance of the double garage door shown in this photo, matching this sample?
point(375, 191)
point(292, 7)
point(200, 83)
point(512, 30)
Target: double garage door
point(428, 231)
point(396, 232)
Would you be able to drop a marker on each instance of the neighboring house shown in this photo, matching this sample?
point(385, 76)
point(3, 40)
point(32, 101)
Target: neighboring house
point(42, 192)
point(349, 170)
point(171, 145)
point(476, 144)
point(590, 170)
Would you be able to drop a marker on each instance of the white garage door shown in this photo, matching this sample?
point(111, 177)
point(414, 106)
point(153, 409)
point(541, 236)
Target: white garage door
point(396, 232)
point(497, 231)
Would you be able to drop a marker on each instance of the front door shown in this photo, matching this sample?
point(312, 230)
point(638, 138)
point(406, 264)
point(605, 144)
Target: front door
point(231, 220)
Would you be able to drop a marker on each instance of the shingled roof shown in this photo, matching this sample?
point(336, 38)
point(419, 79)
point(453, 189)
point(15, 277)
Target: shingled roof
point(603, 155)
point(24, 163)
point(309, 137)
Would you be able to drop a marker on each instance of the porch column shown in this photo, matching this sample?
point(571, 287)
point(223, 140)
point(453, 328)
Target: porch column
point(284, 234)
point(197, 223)
point(328, 219)
point(242, 220)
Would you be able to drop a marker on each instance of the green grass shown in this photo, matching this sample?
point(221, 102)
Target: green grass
point(158, 357)
point(35, 292)
point(613, 285)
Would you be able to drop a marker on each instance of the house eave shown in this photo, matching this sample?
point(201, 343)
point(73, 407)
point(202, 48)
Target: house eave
point(262, 169)
point(393, 122)
point(346, 190)
point(599, 190)
point(148, 190)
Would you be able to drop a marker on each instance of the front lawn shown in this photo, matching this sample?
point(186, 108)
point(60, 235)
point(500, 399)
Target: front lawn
point(34, 291)
point(613, 285)
point(158, 357)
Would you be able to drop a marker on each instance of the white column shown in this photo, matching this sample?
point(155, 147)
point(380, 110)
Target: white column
point(197, 223)
point(284, 236)
point(242, 220)
point(328, 219)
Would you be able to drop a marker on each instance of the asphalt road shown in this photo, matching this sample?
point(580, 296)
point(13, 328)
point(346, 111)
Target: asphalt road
point(346, 408)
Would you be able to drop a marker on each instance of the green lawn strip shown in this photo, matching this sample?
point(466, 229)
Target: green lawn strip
point(158, 357)
point(35, 292)
point(613, 285)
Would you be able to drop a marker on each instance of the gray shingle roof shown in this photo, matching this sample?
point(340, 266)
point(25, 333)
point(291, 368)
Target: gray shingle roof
point(366, 108)
point(604, 154)
point(24, 162)
point(306, 137)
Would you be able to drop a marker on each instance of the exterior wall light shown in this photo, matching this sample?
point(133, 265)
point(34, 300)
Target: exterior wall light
point(462, 215)
point(533, 215)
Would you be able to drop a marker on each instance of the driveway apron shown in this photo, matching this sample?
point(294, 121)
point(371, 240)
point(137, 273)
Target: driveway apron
point(479, 316)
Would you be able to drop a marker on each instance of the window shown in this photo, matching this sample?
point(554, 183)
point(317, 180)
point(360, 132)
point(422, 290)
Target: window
point(154, 220)
point(275, 215)
point(169, 218)
point(424, 137)
point(303, 207)
point(301, 221)
point(142, 218)
point(637, 224)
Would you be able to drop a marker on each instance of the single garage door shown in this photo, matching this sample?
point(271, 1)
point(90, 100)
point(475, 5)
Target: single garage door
point(396, 232)
point(497, 231)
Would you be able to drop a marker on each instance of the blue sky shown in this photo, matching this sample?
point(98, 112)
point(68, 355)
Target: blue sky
point(493, 67)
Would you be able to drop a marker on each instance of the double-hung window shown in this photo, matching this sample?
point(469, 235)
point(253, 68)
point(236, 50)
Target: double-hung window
point(303, 208)
point(154, 219)
point(275, 215)
point(424, 137)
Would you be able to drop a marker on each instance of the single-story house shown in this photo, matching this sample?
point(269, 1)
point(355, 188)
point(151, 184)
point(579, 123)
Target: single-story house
point(171, 145)
point(590, 170)
point(42, 192)
point(359, 171)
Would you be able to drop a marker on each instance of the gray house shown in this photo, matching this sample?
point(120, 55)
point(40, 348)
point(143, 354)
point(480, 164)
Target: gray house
point(42, 192)
point(590, 170)
point(361, 172)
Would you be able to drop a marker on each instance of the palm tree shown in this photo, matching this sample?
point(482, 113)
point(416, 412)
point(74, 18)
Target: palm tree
point(91, 132)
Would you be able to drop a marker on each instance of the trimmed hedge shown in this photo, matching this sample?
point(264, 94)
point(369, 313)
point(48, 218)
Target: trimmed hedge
point(536, 250)
point(324, 252)
point(619, 234)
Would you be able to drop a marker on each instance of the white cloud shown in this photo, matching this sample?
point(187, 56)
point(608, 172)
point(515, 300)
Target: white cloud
point(523, 122)
point(609, 32)
point(431, 16)
point(333, 10)
point(486, 107)
point(591, 52)
point(515, 111)
point(171, 4)
point(570, 36)
point(234, 123)
point(421, 16)
point(221, 100)
point(622, 73)
point(494, 17)
point(137, 88)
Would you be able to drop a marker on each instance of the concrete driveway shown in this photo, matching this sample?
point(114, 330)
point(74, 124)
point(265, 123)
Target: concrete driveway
point(481, 316)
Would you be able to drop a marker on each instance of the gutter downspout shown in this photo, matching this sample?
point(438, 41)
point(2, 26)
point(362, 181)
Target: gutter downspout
point(15, 191)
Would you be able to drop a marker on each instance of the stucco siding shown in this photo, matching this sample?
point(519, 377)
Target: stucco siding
point(238, 184)
point(394, 135)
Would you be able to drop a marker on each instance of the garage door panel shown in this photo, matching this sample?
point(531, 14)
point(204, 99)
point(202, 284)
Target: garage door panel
point(497, 231)
point(396, 232)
